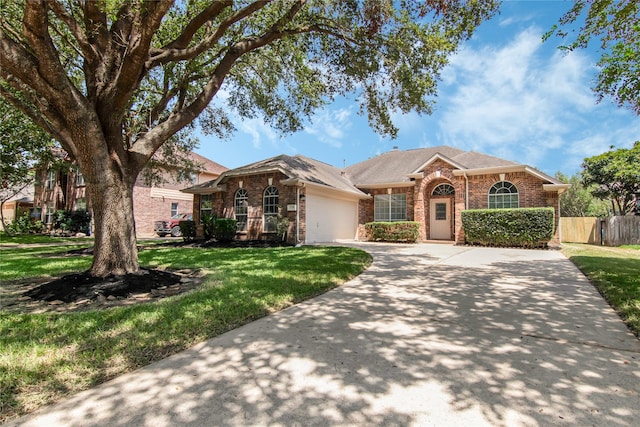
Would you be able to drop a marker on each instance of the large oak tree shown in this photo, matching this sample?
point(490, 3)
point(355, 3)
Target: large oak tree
point(113, 80)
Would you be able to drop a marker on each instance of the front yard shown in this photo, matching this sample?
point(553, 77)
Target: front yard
point(614, 271)
point(47, 356)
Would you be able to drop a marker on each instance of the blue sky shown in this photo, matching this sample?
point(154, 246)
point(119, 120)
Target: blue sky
point(505, 93)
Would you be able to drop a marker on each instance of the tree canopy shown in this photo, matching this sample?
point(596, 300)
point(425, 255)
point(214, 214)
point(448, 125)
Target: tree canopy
point(114, 80)
point(616, 24)
point(578, 201)
point(615, 176)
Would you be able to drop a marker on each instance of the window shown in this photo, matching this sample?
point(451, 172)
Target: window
point(242, 209)
point(50, 183)
point(441, 211)
point(81, 204)
point(503, 195)
point(174, 209)
point(270, 208)
point(390, 207)
point(48, 214)
point(79, 178)
point(205, 205)
point(443, 190)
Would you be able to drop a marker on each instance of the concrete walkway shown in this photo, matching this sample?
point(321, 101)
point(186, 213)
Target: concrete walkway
point(429, 335)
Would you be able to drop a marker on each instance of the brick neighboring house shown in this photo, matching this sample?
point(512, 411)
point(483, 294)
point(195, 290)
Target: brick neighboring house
point(64, 189)
point(324, 204)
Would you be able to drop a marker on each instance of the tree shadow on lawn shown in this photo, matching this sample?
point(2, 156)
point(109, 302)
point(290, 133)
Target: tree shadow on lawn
point(411, 341)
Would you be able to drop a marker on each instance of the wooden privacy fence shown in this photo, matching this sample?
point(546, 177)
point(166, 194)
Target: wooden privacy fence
point(611, 231)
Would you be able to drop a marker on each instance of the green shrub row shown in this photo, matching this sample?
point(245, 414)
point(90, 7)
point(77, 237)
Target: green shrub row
point(400, 231)
point(221, 229)
point(525, 227)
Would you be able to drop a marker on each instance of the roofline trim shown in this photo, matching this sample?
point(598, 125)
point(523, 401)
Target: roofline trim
point(388, 185)
point(303, 183)
point(435, 157)
point(505, 169)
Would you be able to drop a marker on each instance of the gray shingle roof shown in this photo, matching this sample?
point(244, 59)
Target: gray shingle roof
point(298, 167)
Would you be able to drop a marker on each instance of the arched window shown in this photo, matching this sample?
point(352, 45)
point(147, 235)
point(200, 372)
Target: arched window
point(270, 209)
point(443, 190)
point(503, 195)
point(241, 207)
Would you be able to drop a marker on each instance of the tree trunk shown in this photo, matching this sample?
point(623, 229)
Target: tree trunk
point(115, 251)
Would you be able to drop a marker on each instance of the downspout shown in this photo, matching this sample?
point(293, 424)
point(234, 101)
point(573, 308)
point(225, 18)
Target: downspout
point(297, 215)
point(466, 191)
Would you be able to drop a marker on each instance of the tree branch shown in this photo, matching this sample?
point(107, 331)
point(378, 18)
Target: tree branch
point(78, 33)
point(162, 56)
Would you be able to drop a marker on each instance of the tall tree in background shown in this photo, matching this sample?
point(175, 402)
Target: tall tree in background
point(615, 176)
point(112, 81)
point(615, 24)
point(578, 201)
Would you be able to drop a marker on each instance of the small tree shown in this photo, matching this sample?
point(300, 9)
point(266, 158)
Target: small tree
point(578, 201)
point(22, 146)
point(615, 176)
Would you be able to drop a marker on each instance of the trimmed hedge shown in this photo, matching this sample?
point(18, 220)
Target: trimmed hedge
point(524, 227)
point(225, 229)
point(399, 231)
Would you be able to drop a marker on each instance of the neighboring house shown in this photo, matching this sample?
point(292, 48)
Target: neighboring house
point(17, 205)
point(64, 189)
point(324, 203)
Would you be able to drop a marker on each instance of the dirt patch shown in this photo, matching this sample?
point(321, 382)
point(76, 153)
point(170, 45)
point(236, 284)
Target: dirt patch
point(81, 291)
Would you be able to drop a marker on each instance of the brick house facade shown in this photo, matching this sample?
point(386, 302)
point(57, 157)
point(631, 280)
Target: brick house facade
point(63, 188)
point(431, 186)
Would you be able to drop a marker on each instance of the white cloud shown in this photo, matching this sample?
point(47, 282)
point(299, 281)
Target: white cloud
point(330, 126)
point(513, 101)
point(257, 129)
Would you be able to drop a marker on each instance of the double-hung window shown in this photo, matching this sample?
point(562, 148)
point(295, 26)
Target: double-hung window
point(205, 205)
point(241, 205)
point(270, 209)
point(390, 207)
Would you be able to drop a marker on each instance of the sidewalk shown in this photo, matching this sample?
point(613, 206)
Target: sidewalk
point(429, 335)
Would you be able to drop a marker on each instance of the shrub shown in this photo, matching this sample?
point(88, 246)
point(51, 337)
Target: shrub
point(188, 230)
point(72, 221)
point(400, 231)
point(225, 229)
point(24, 224)
point(525, 227)
point(209, 225)
point(283, 227)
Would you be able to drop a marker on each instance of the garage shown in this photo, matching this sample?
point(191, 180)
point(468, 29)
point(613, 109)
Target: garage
point(329, 218)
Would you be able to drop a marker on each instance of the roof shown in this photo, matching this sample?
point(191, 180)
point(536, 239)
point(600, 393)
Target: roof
point(208, 165)
point(298, 169)
point(395, 166)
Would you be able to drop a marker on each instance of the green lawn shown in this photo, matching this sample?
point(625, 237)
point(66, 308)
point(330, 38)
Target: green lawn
point(29, 239)
point(614, 271)
point(48, 356)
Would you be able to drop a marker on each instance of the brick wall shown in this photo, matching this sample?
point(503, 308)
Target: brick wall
point(223, 204)
point(530, 190)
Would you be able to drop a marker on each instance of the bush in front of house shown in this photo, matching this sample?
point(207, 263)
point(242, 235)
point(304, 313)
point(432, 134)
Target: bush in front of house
point(524, 227)
point(77, 221)
point(225, 229)
point(209, 225)
point(188, 230)
point(398, 231)
point(24, 224)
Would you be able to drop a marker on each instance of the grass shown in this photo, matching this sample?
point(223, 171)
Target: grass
point(48, 356)
point(614, 271)
point(30, 239)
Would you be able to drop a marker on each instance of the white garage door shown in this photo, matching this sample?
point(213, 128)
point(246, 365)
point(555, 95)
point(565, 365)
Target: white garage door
point(329, 219)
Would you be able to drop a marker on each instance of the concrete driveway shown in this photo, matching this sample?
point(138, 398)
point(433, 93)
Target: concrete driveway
point(429, 335)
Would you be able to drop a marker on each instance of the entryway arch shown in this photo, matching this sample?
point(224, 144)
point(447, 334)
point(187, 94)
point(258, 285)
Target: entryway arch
point(441, 211)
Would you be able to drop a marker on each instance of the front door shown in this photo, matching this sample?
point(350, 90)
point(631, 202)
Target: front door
point(440, 219)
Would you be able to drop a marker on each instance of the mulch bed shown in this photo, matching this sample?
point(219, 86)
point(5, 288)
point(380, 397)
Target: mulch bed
point(81, 291)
